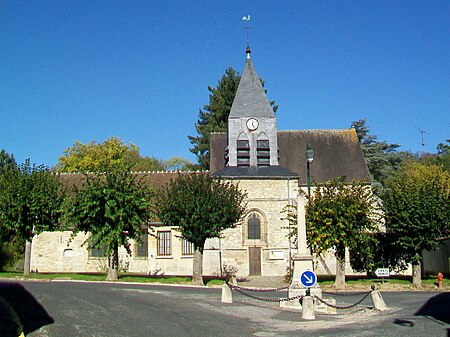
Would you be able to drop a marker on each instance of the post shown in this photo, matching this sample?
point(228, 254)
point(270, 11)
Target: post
point(308, 310)
point(378, 302)
point(227, 295)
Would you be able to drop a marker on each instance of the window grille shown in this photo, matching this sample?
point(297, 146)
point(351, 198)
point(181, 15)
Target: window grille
point(164, 246)
point(187, 248)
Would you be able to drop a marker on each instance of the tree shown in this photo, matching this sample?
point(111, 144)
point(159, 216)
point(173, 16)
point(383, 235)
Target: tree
point(113, 207)
point(214, 116)
point(417, 210)
point(382, 158)
point(443, 156)
point(113, 153)
point(177, 163)
point(30, 203)
point(7, 161)
point(201, 207)
point(341, 215)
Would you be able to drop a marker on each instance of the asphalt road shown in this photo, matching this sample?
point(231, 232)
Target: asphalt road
point(102, 309)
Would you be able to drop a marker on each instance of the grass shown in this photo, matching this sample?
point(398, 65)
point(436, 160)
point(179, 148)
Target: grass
point(427, 280)
point(132, 278)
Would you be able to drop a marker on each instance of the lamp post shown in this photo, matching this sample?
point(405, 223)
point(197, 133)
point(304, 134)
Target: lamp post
point(309, 159)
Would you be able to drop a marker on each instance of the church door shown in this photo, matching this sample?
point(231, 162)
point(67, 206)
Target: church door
point(254, 257)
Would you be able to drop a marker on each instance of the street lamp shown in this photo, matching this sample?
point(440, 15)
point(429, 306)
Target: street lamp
point(309, 159)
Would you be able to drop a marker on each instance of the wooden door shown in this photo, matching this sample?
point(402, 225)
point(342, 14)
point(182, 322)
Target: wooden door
point(254, 258)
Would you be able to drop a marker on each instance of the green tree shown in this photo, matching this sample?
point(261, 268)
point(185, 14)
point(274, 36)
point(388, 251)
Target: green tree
point(177, 163)
point(341, 215)
point(442, 157)
point(417, 210)
point(382, 158)
point(214, 116)
point(7, 161)
point(113, 207)
point(112, 154)
point(30, 203)
point(201, 207)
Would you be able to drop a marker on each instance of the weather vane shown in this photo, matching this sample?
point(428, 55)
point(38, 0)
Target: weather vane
point(247, 27)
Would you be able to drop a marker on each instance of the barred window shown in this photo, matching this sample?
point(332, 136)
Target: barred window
point(164, 245)
point(187, 248)
point(254, 227)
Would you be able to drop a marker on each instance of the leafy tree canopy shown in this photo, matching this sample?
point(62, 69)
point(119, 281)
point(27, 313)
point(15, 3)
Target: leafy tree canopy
point(7, 161)
point(382, 158)
point(30, 200)
point(113, 207)
point(214, 116)
point(417, 209)
point(443, 156)
point(112, 154)
point(341, 215)
point(201, 207)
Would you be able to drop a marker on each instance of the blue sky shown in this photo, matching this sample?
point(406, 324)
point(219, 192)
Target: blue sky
point(139, 70)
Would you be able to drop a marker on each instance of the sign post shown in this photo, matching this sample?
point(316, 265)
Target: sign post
point(382, 272)
point(308, 278)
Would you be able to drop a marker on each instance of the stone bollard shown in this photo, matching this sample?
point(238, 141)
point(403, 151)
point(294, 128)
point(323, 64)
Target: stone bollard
point(227, 295)
point(378, 301)
point(308, 310)
point(234, 279)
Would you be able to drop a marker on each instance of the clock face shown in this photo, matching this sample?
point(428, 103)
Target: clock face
point(252, 124)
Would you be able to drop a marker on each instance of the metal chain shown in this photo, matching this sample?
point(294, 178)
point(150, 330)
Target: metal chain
point(269, 299)
point(343, 306)
point(299, 297)
point(345, 293)
point(232, 286)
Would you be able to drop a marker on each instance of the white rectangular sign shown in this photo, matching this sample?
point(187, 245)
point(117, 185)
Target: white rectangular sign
point(382, 272)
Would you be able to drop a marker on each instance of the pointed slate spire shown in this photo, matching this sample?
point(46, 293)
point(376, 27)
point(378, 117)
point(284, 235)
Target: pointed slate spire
point(250, 100)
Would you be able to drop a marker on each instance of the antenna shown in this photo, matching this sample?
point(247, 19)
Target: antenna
point(422, 133)
point(247, 27)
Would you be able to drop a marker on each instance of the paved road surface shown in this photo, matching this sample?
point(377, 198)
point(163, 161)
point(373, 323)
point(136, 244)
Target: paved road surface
point(101, 309)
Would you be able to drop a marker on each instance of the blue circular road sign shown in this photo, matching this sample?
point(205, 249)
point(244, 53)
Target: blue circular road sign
point(308, 278)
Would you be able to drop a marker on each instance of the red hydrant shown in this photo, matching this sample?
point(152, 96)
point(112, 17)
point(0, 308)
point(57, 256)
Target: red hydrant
point(440, 277)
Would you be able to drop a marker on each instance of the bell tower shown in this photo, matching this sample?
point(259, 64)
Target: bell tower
point(252, 130)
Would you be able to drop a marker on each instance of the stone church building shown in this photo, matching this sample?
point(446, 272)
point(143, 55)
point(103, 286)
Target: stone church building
point(269, 164)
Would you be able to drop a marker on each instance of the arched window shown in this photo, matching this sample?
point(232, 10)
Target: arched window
point(254, 227)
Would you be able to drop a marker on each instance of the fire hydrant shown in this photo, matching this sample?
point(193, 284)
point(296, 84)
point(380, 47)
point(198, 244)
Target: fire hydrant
point(440, 277)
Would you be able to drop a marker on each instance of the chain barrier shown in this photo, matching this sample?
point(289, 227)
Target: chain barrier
point(343, 306)
point(255, 289)
point(344, 293)
point(243, 291)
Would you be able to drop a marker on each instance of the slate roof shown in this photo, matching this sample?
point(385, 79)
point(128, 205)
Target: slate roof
point(336, 153)
point(250, 99)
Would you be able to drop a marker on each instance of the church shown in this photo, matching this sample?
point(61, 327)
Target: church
point(272, 166)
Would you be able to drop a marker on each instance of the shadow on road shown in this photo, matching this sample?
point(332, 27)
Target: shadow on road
point(20, 311)
point(437, 307)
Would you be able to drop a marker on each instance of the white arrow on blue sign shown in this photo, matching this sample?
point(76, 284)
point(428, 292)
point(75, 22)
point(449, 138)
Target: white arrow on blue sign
point(308, 278)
